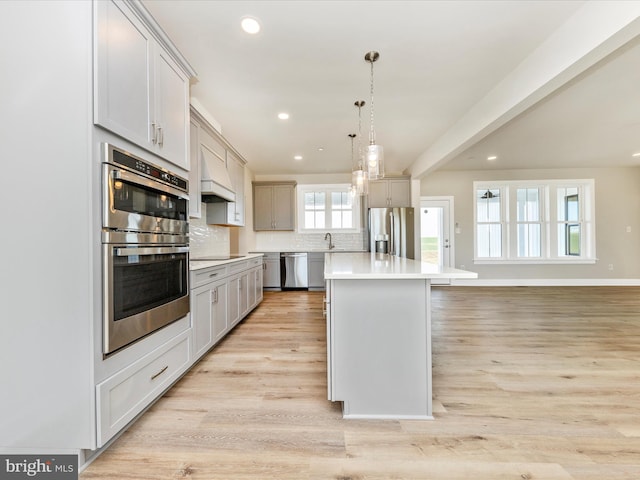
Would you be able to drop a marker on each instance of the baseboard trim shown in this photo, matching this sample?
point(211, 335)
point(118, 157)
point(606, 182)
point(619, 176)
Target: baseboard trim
point(547, 282)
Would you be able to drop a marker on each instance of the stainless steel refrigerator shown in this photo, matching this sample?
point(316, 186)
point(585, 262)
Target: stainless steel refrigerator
point(391, 231)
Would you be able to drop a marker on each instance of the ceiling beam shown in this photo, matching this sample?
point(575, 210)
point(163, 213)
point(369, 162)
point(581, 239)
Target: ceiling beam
point(595, 31)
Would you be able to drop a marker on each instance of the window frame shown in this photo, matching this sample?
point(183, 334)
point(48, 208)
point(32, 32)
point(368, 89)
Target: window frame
point(549, 222)
point(327, 189)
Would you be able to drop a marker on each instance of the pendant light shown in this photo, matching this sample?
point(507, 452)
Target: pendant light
point(359, 175)
point(374, 154)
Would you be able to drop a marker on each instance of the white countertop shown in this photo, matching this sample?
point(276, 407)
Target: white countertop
point(309, 250)
point(195, 264)
point(338, 266)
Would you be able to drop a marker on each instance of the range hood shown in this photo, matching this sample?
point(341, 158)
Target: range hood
point(215, 183)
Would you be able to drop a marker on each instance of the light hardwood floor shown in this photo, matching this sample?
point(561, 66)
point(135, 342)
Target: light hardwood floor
point(529, 383)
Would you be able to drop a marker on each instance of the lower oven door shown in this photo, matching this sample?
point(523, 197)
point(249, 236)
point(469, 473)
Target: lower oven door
point(145, 288)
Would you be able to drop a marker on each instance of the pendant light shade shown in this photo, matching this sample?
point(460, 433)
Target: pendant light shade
point(359, 174)
point(374, 154)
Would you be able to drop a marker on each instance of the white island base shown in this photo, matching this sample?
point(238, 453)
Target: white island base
point(379, 334)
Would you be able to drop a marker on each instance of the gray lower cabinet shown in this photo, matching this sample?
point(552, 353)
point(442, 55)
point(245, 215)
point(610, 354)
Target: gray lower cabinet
point(315, 270)
point(209, 307)
point(220, 297)
point(271, 270)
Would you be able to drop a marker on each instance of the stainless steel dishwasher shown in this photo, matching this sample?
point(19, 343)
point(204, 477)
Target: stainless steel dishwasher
point(293, 271)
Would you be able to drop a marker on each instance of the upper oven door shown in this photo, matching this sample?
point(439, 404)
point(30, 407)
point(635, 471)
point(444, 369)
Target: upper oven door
point(135, 203)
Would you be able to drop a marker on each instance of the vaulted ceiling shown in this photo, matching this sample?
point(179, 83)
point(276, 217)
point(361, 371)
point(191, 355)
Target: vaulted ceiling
point(447, 91)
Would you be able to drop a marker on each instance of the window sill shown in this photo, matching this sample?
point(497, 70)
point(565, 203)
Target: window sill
point(548, 261)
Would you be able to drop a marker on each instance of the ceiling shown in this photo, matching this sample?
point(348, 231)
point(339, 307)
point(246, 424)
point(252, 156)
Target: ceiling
point(437, 60)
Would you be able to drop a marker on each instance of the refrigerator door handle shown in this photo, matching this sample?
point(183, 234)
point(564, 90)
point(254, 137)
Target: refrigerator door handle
point(392, 247)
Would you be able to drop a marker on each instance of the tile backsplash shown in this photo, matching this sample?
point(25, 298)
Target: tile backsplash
point(207, 240)
point(213, 240)
point(307, 241)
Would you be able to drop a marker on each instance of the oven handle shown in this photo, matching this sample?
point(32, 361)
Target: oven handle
point(126, 252)
point(119, 174)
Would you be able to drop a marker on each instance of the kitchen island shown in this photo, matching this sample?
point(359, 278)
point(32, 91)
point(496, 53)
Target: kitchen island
point(379, 334)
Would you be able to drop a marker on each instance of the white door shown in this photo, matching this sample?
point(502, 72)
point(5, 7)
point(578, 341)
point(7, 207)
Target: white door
point(436, 236)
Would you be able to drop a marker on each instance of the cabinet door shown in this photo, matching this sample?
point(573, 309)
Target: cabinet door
point(236, 172)
point(123, 96)
point(315, 270)
point(243, 288)
point(201, 303)
point(378, 194)
point(195, 202)
point(251, 290)
point(233, 301)
point(283, 207)
point(219, 311)
point(271, 276)
point(171, 110)
point(399, 193)
point(258, 272)
point(262, 207)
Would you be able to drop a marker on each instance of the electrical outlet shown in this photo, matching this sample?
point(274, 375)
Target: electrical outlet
point(611, 266)
point(628, 228)
point(461, 267)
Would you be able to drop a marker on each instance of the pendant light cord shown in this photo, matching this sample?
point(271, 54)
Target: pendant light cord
point(372, 133)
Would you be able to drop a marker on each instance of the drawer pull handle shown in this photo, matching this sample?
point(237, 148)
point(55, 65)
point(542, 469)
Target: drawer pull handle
point(159, 373)
point(213, 275)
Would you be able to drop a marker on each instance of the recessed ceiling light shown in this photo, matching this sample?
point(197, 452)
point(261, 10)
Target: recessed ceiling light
point(637, 154)
point(492, 157)
point(283, 116)
point(321, 149)
point(250, 25)
point(298, 157)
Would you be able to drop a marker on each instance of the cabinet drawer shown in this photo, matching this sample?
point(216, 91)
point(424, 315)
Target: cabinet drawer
point(238, 266)
point(127, 393)
point(255, 262)
point(206, 275)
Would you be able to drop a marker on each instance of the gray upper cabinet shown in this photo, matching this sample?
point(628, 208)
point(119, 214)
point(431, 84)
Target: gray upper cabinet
point(141, 90)
point(274, 205)
point(390, 192)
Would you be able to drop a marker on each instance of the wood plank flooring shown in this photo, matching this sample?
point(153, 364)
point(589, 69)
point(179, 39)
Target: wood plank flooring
point(529, 383)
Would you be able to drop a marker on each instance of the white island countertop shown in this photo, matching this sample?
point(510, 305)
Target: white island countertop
point(338, 266)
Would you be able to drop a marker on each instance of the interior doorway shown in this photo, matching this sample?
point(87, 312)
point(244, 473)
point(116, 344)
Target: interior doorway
point(436, 234)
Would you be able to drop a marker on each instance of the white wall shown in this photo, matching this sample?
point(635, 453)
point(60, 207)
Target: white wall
point(617, 197)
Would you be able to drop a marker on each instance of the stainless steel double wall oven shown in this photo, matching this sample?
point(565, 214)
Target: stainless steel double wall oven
point(145, 247)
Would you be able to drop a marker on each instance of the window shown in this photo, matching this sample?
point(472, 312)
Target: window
point(489, 223)
point(548, 221)
point(328, 207)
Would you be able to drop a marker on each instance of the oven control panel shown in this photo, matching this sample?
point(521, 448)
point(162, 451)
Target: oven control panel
point(130, 161)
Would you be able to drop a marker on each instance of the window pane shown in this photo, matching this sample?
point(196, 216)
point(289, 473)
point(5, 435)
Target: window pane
point(340, 200)
point(569, 239)
point(309, 219)
point(528, 204)
point(488, 204)
point(568, 204)
point(529, 240)
point(489, 240)
point(347, 219)
point(336, 220)
point(319, 217)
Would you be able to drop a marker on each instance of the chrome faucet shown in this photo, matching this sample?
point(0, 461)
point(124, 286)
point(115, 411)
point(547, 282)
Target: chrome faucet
point(331, 245)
